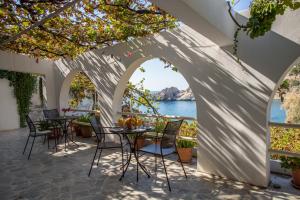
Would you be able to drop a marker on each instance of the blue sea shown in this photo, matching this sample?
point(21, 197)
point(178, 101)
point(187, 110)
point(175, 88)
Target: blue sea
point(188, 109)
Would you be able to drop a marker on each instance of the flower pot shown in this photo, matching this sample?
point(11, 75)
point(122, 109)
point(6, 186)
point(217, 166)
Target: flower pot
point(185, 154)
point(296, 177)
point(86, 131)
point(156, 141)
point(77, 129)
point(140, 142)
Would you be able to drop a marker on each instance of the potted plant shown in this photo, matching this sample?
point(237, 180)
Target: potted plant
point(185, 149)
point(85, 127)
point(44, 125)
point(160, 124)
point(131, 123)
point(292, 163)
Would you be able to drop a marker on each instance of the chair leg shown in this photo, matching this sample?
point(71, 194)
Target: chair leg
point(182, 165)
point(99, 157)
point(162, 157)
point(55, 141)
point(31, 148)
point(26, 144)
point(155, 157)
point(100, 151)
point(122, 152)
point(44, 139)
point(137, 165)
point(48, 141)
point(93, 161)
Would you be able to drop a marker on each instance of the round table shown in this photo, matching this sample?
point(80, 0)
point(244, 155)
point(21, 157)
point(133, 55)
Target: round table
point(136, 132)
point(64, 121)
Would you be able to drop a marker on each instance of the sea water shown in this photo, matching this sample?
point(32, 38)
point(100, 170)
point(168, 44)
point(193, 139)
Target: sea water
point(188, 109)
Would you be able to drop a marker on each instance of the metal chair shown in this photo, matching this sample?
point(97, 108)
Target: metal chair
point(100, 135)
point(167, 145)
point(51, 113)
point(55, 126)
point(34, 134)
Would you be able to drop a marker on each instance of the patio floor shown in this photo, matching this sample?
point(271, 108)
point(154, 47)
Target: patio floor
point(63, 175)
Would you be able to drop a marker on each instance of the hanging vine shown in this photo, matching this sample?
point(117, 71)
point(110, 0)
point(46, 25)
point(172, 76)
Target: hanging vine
point(24, 85)
point(262, 15)
point(41, 91)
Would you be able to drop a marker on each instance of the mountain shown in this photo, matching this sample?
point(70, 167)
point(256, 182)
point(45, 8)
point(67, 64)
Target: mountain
point(174, 94)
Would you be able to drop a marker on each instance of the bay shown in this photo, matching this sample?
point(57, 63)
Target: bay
point(188, 109)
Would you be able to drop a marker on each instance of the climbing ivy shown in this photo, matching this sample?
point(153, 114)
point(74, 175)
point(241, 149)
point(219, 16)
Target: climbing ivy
point(24, 85)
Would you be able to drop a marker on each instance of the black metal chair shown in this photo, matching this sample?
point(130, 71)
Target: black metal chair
point(100, 135)
point(51, 113)
point(53, 125)
point(34, 133)
point(167, 145)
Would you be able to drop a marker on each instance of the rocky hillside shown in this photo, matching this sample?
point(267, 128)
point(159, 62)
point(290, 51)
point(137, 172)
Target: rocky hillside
point(174, 94)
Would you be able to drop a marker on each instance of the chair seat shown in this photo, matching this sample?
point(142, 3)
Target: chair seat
point(155, 149)
point(153, 135)
point(41, 133)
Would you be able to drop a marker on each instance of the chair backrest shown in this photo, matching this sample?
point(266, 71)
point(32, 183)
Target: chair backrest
point(52, 113)
point(169, 134)
point(30, 124)
point(97, 127)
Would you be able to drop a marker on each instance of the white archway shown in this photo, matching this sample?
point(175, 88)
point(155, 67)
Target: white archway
point(233, 96)
point(279, 82)
point(65, 88)
point(118, 95)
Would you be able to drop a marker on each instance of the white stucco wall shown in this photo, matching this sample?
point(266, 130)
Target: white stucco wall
point(22, 63)
point(9, 117)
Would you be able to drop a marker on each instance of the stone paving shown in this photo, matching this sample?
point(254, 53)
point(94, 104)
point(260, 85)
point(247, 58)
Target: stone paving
point(63, 175)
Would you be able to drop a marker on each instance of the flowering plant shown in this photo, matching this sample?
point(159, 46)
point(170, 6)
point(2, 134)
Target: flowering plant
point(66, 110)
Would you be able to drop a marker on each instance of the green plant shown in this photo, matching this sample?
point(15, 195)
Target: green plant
point(41, 91)
point(189, 129)
point(24, 85)
point(160, 124)
point(43, 125)
point(81, 87)
point(64, 35)
point(286, 139)
point(292, 106)
point(184, 143)
point(290, 162)
point(84, 118)
point(262, 15)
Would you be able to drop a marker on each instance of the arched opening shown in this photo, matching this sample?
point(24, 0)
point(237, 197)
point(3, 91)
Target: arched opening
point(154, 86)
point(78, 92)
point(162, 83)
point(283, 117)
point(134, 71)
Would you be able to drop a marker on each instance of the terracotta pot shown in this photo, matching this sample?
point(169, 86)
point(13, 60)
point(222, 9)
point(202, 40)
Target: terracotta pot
point(86, 131)
point(296, 177)
point(77, 129)
point(140, 142)
point(156, 141)
point(185, 154)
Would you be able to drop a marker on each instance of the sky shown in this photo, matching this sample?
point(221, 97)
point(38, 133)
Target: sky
point(157, 77)
point(242, 4)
